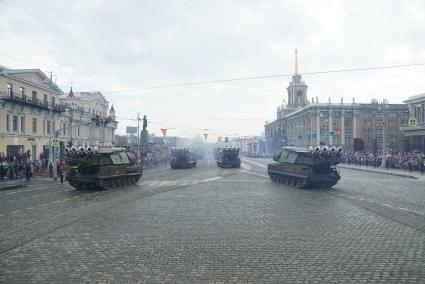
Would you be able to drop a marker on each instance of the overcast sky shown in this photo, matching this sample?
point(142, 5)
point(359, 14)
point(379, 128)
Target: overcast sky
point(130, 45)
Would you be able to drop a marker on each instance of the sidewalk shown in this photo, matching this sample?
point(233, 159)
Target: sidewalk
point(12, 184)
point(379, 170)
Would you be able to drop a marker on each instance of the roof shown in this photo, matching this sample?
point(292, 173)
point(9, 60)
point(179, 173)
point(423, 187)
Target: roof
point(415, 98)
point(45, 83)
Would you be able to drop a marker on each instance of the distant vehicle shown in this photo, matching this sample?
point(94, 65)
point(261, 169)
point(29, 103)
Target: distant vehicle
point(182, 158)
point(101, 168)
point(306, 167)
point(228, 157)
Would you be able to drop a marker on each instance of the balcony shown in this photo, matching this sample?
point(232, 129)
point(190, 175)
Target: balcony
point(28, 101)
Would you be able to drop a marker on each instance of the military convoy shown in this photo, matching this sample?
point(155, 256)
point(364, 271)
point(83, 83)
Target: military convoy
point(306, 167)
point(101, 168)
point(228, 157)
point(182, 158)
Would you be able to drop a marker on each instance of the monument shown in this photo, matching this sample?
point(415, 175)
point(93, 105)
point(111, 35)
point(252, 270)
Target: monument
point(144, 135)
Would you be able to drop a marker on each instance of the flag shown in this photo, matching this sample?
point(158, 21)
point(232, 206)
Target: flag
point(164, 131)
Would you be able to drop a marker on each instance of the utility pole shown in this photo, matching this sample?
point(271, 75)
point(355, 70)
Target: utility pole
point(138, 137)
point(52, 158)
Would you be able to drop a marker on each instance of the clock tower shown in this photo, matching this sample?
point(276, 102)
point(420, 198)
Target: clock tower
point(297, 89)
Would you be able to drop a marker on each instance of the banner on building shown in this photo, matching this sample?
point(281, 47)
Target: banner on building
point(412, 121)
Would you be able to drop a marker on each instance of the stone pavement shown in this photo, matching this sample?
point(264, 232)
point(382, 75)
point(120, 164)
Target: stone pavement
point(211, 225)
point(12, 184)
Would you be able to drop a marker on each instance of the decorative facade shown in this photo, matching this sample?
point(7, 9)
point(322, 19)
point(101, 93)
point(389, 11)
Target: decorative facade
point(89, 121)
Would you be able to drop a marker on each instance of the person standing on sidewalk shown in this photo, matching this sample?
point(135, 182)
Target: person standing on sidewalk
point(59, 169)
point(27, 171)
point(51, 169)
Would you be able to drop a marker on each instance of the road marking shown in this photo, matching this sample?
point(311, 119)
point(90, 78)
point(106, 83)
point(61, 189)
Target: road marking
point(45, 204)
point(255, 163)
point(255, 174)
point(212, 179)
point(246, 167)
point(385, 204)
point(16, 211)
point(404, 209)
point(75, 197)
point(30, 208)
point(418, 212)
point(57, 201)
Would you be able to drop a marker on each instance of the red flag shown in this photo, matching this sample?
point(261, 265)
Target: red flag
point(164, 131)
point(205, 136)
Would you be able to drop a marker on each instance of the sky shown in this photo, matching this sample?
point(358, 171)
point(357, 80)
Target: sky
point(122, 48)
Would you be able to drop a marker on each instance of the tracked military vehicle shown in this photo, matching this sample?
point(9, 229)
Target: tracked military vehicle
point(101, 168)
point(306, 167)
point(182, 158)
point(228, 157)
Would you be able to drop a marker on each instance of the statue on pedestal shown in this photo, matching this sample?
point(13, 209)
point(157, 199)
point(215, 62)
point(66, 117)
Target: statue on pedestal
point(144, 135)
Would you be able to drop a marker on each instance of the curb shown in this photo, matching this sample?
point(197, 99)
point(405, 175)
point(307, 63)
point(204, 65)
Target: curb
point(378, 172)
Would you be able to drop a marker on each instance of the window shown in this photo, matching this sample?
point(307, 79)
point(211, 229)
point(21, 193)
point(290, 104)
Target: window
point(64, 128)
point(53, 127)
point(34, 125)
point(7, 122)
point(9, 89)
point(53, 101)
point(44, 127)
point(22, 91)
point(48, 127)
point(46, 100)
point(22, 124)
point(78, 131)
point(15, 123)
point(34, 96)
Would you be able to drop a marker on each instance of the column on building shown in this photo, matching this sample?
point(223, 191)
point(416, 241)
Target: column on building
point(342, 128)
point(318, 126)
point(330, 127)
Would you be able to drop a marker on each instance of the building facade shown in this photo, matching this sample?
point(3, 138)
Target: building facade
point(88, 120)
point(30, 111)
point(354, 126)
point(415, 130)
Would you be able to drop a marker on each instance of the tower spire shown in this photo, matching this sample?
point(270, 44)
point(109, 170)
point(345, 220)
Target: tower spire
point(296, 62)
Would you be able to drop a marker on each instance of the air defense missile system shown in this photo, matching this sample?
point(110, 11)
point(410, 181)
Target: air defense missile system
point(228, 157)
point(101, 168)
point(306, 167)
point(182, 158)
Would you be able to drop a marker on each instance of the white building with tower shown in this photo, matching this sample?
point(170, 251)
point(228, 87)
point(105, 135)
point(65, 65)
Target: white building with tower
point(373, 126)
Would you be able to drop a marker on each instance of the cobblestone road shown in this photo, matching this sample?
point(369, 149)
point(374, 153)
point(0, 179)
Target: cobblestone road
point(216, 225)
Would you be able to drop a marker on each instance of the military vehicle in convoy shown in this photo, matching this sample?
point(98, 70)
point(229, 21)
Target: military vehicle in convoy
point(306, 167)
point(182, 158)
point(101, 168)
point(228, 157)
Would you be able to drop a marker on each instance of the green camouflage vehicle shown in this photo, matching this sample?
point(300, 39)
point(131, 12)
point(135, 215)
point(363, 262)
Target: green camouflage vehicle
point(101, 168)
point(228, 157)
point(182, 158)
point(306, 167)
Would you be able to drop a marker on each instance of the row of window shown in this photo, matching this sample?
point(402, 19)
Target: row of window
point(34, 95)
point(47, 125)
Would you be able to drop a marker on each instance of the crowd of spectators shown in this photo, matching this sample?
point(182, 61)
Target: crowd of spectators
point(153, 154)
point(410, 161)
